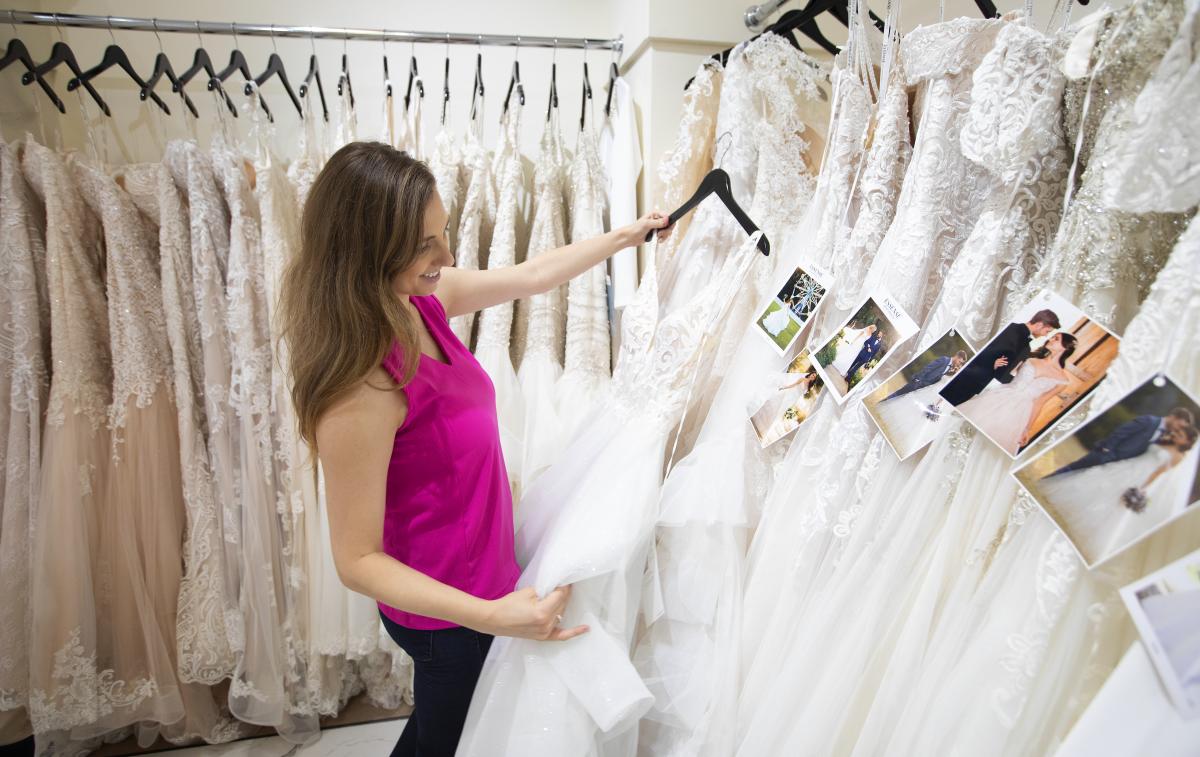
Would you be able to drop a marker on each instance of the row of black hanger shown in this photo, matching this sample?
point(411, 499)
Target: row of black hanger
point(62, 55)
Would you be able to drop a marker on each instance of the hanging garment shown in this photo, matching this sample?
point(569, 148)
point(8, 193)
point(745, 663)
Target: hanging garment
point(586, 365)
point(25, 381)
point(446, 162)
point(703, 520)
point(269, 686)
point(541, 366)
point(411, 136)
point(208, 220)
point(588, 522)
point(477, 217)
point(1034, 658)
point(71, 686)
point(496, 322)
point(621, 153)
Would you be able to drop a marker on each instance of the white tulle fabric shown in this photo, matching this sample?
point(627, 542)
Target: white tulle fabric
point(492, 347)
point(545, 313)
point(588, 521)
point(25, 382)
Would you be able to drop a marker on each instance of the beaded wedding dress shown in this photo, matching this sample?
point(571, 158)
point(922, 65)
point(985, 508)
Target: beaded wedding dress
point(588, 355)
point(588, 522)
point(477, 217)
point(541, 364)
point(492, 348)
point(25, 381)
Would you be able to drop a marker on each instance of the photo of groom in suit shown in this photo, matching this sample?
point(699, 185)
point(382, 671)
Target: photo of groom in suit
point(931, 374)
point(1000, 357)
point(1132, 438)
point(870, 348)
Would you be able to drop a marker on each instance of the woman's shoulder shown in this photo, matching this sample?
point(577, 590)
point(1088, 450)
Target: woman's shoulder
point(371, 402)
point(430, 305)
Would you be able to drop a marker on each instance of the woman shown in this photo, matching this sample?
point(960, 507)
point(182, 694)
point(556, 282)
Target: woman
point(1090, 502)
point(849, 345)
point(779, 320)
point(1008, 413)
point(404, 421)
point(783, 392)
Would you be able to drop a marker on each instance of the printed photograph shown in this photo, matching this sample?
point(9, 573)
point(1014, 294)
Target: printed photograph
point(907, 407)
point(792, 307)
point(855, 352)
point(785, 400)
point(1122, 475)
point(1032, 372)
point(1165, 607)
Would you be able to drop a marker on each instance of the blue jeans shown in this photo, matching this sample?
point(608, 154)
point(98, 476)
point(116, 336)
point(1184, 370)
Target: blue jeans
point(447, 665)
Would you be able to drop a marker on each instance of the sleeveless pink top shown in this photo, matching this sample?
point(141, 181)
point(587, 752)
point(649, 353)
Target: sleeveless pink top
point(449, 510)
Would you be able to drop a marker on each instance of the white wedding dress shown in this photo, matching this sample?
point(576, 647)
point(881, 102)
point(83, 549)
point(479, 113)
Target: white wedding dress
point(848, 347)
point(908, 420)
point(1002, 411)
point(1088, 501)
point(477, 216)
point(588, 522)
point(778, 321)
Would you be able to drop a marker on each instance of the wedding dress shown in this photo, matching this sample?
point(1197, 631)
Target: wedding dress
point(908, 420)
point(496, 322)
point(446, 162)
point(477, 217)
point(588, 522)
point(1040, 662)
point(848, 347)
point(778, 321)
point(588, 356)
point(24, 363)
point(1088, 501)
point(410, 136)
point(541, 366)
point(1003, 411)
point(269, 685)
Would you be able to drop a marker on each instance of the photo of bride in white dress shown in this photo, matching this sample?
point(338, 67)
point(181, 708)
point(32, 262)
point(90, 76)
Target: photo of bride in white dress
point(790, 310)
point(906, 406)
point(855, 351)
point(1006, 412)
point(784, 401)
point(1123, 474)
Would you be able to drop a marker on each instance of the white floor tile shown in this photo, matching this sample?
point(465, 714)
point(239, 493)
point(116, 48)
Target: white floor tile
point(365, 740)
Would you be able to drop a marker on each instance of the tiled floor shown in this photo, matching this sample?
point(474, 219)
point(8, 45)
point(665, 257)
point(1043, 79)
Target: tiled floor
point(364, 740)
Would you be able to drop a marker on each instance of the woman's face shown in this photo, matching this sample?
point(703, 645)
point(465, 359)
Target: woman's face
point(433, 253)
point(1055, 345)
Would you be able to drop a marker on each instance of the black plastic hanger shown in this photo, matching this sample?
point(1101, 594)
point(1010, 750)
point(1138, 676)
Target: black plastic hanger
point(18, 53)
point(988, 8)
point(515, 80)
point(314, 72)
point(477, 87)
point(552, 104)
point(587, 90)
point(716, 182)
point(114, 55)
point(613, 73)
point(61, 54)
point(162, 66)
point(413, 76)
point(446, 81)
point(806, 24)
point(841, 11)
point(344, 79)
point(275, 68)
point(238, 64)
point(201, 62)
point(387, 81)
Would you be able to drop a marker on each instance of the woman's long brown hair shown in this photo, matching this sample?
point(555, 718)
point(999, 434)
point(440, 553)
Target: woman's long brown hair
point(361, 226)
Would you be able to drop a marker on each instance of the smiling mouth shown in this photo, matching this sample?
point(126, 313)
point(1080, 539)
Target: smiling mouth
point(432, 276)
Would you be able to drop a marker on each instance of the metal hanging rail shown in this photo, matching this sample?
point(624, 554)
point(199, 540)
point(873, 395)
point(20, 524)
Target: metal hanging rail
point(304, 32)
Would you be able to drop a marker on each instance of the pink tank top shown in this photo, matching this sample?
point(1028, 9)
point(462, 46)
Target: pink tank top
point(449, 509)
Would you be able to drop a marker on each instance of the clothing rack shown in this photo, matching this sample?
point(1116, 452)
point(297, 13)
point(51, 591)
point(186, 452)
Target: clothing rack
point(82, 21)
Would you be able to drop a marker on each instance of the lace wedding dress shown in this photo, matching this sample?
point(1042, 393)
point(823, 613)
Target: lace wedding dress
point(477, 217)
point(541, 366)
point(1039, 662)
point(588, 357)
point(496, 323)
point(446, 162)
point(696, 565)
point(1003, 411)
point(588, 522)
point(25, 380)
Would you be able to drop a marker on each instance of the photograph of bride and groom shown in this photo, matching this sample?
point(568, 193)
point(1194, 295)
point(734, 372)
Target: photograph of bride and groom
point(793, 306)
point(876, 328)
point(1032, 373)
point(1122, 475)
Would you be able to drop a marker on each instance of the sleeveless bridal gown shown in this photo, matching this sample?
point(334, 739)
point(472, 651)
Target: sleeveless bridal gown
point(1003, 410)
point(25, 380)
point(477, 216)
point(541, 366)
point(588, 522)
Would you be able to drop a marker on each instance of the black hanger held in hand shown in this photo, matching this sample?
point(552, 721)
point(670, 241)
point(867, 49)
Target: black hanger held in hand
point(716, 182)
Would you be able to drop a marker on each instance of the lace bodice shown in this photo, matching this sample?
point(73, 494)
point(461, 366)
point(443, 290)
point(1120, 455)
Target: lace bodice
point(546, 312)
point(446, 163)
point(81, 376)
point(1104, 260)
point(660, 353)
point(495, 323)
point(683, 166)
point(477, 216)
point(587, 341)
point(302, 171)
point(137, 324)
point(1157, 166)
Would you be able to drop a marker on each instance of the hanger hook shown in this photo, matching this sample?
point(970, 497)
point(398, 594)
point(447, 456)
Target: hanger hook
point(199, 39)
point(154, 21)
point(274, 47)
point(58, 28)
point(12, 20)
point(383, 37)
point(312, 40)
point(729, 144)
point(233, 28)
point(447, 44)
point(110, 31)
point(517, 49)
point(554, 55)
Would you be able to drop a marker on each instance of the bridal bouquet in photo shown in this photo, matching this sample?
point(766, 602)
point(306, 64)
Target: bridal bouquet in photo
point(1134, 498)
